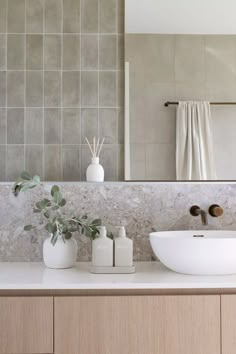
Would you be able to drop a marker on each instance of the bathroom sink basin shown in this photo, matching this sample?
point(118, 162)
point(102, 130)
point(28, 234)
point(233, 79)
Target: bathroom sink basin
point(196, 252)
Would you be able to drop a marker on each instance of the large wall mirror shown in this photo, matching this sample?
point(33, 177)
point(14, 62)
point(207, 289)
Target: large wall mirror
point(180, 90)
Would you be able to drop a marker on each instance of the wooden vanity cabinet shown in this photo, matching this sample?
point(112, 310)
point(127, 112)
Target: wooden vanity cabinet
point(26, 325)
point(138, 324)
point(228, 322)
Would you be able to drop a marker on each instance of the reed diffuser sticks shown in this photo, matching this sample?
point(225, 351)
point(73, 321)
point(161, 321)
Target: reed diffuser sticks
point(96, 146)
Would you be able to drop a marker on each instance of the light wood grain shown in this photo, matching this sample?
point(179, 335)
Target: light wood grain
point(26, 325)
point(228, 318)
point(137, 325)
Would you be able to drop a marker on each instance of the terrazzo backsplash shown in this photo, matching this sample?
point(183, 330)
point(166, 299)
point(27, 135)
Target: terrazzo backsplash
point(140, 207)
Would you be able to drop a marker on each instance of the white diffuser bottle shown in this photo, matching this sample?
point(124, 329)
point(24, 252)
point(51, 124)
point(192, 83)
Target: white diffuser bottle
point(102, 250)
point(95, 171)
point(123, 250)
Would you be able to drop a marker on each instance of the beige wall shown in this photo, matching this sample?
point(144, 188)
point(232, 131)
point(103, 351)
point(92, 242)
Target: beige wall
point(174, 68)
point(61, 79)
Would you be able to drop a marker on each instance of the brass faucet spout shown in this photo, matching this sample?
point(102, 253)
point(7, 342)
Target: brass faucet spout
point(196, 211)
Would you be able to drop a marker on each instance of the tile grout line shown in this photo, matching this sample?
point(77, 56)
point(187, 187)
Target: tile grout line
point(117, 62)
point(43, 113)
point(62, 58)
point(6, 99)
point(98, 77)
point(25, 91)
point(80, 91)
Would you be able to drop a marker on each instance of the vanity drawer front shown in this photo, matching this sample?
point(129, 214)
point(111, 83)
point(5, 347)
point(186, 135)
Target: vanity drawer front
point(137, 324)
point(26, 325)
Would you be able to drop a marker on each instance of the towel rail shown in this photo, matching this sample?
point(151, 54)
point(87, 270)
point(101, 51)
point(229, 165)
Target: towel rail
point(168, 103)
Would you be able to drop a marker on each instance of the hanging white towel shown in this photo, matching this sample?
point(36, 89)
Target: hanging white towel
point(194, 142)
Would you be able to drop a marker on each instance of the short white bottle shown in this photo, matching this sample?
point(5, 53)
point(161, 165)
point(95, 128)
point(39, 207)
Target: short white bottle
point(95, 171)
point(123, 250)
point(102, 250)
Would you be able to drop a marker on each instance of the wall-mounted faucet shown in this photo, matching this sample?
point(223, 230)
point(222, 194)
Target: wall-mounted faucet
point(215, 211)
point(195, 210)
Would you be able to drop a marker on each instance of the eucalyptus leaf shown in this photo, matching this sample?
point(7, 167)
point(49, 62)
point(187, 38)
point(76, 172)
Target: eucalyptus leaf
point(47, 214)
point(36, 211)
point(57, 197)
point(68, 235)
point(26, 176)
point(62, 203)
point(28, 227)
point(36, 179)
point(54, 190)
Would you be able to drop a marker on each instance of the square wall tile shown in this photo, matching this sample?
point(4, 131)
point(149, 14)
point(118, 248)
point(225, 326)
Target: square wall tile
point(89, 88)
point(190, 59)
point(52, 52)
point(89, 16)
point(89, 52)
point(71, 52)
point(52, 126)
point(3, 163)
point(108, 125)
point(2, 89)
point(15, 126)
point(34, 126)
point(121, 52)
point(16, 16)
point(2, 52)
point(34, 51)
point(34, 88)
point(52, 163)
point(85, 160)
point(71, 162)
point(89, 124)
point(71, 16)
point(109, 161)
point(14, 161)
point(71, 88)
point(3, 126)
point(52, 88)
point(220, 62)
point(15, 52)
point(53, 16)
point(34, 16)
point(71, 126)
point(107, 16)
point(121, 124)
point(107, 89)
point(15, 89)
point(3, 16)
point(34, 159)
point(107, 52)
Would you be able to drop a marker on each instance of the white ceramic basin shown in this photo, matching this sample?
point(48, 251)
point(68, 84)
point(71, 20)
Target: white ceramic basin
point(196, 252)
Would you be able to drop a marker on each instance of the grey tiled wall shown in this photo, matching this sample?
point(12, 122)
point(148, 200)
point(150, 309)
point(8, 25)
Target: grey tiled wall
point(61, 79)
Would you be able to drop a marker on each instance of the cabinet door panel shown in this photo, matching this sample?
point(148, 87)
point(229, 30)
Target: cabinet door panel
point(26, 325)
point(137, 324)
point(228, 316)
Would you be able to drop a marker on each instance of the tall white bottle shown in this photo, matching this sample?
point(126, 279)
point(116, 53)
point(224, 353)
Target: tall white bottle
point(102, 250)
point(123, 250)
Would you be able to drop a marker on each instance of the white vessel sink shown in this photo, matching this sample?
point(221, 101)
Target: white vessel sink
point(196, 252)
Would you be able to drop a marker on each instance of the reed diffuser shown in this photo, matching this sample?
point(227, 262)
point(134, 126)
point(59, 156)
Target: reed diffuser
point(95, 171)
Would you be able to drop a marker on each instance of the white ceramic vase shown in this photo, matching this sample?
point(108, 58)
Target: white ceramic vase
point(95, 171)
point(60, 256)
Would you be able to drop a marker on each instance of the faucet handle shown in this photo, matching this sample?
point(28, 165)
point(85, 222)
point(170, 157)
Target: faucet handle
point(195, 210)
point(215, 210)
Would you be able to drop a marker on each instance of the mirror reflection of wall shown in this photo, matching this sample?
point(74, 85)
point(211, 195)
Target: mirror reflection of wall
point(184, 59)
point(61, 79)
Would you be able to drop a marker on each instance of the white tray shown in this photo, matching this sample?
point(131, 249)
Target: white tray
point(112, 270)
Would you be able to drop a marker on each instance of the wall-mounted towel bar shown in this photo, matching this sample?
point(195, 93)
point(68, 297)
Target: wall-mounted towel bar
point(212, 103)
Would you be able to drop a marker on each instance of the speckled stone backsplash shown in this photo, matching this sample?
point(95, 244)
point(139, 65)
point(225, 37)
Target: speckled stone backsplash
point(140, 207)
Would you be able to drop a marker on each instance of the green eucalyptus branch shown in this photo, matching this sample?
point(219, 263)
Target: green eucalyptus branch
point(58, 223)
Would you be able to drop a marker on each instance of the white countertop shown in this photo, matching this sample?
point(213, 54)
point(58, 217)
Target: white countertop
point(149, 275)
